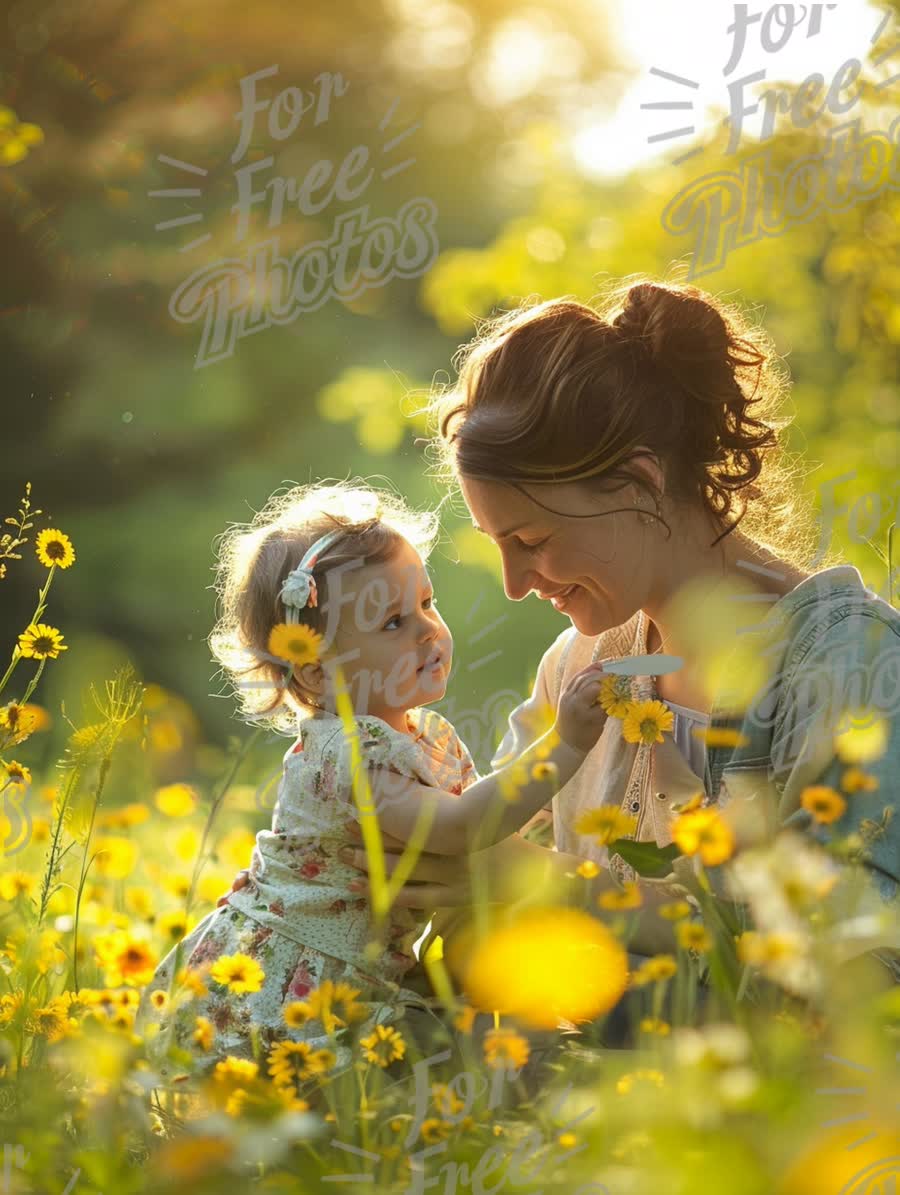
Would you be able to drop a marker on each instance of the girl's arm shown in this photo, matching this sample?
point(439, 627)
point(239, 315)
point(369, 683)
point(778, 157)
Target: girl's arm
point(499, 804)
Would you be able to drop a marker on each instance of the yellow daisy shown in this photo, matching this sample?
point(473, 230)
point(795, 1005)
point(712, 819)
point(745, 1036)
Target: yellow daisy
point(17, 774)
point(605, 824)
point(238, 972)
point(14, 883)
point(654, 970)
point(705, 833)
point(615, 695)
point(233, 1069)
point(824, 803)
point(674, 910)
point(19, 721)
point(854, 780)
point(545, 771)
point(334, 1004)
point(434, 1130)
point(203, 1032)
point(159, 998)
point(54, 549)
point(505, 1049)
point(629, 897)
point(692, 935)
point(176, 800)
point(655, 1025)
point(645, 722)
point(588, 869)
point(295, 643)
point(291, 1062)
point(124, 959)
point(41, 642)
point(383, 1046)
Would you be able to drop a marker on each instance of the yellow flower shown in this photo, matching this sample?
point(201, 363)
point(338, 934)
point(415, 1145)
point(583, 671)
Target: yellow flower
point(173, 925)
point(20, 721)
point(238, 972)
point(505, 1049)
point(320, 1005)
point(290, 1062)
point(661, 966)
point(566, 1140)
point(383, 1046)
point(53, 1021)
point(16, 137)
point(54, 548)
point(116, 857)
point(824, 803)
point(628, 897)
point(17, 774)
point(645, 722)
point(510, 780)
point(193, 981)
point(176, 800)
point(615, 695)
point(865, 739)
point(605, 824)
point(588, 869)
point(295, 643)
point(545, 771)
point(39, 641)
point(231, 1069)
point(655, 1025)
point(674, 910)
point(626, 1082)
point(855, 780)
point(203, 1033)
point(465, 1018)
point(434, 1130)
point(760, 949)
point(704, 832)
point(542, 964)
point(124, 959)
point(720, 736)
point(14, 883)
point(692, 935)
point(446, 1101)
point(159, 998)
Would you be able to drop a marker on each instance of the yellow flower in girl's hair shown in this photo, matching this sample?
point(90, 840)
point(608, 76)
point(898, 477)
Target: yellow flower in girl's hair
point(295, 643)
point(645, 722)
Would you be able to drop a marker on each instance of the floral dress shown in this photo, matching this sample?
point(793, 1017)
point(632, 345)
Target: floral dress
point(296, 916)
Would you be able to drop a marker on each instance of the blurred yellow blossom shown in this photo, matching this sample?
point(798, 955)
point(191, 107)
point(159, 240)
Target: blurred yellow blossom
point(176, 800)
point(505, 1049)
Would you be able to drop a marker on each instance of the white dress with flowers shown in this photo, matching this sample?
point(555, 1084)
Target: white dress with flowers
point(296, 918)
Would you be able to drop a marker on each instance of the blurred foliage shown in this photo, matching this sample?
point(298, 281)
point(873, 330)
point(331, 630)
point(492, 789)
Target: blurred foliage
point(144, 459)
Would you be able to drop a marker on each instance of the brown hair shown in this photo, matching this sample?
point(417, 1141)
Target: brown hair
point(254, 561)
point(559, 391)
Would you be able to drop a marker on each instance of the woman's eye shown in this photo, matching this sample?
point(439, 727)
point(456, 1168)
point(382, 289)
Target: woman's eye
point(531, 547)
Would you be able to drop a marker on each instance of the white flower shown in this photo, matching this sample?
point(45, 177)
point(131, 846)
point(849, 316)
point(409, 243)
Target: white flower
point(296, 589)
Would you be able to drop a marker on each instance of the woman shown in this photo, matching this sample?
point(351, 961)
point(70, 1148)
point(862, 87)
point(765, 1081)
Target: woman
point(604, 453)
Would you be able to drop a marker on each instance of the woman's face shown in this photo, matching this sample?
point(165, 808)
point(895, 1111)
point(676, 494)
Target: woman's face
point(602, 558)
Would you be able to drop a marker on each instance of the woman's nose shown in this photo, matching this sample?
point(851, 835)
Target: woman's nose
point(516, 582)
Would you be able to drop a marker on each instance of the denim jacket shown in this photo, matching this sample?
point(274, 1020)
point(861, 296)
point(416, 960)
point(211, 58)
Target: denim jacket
point(830, 646)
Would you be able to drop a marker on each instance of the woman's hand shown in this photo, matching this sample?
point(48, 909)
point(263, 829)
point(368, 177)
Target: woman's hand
point(579, 719)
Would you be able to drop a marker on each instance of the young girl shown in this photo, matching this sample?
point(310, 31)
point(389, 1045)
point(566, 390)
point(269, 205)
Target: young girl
point(345, 563)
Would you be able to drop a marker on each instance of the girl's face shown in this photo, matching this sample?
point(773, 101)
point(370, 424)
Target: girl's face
point(392, 645)
point(597, 566)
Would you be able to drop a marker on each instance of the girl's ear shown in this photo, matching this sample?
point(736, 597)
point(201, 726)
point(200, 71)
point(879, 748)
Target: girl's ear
point(312, 677)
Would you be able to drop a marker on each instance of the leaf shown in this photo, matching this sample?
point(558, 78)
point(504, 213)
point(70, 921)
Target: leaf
point(646, 858)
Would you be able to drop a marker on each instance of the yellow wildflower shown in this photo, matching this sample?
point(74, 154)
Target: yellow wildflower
point(692, 935)
point(706, 833)
point(654, 970)
point(291, 1062)
point(646, 721)
point(588, 869)
point(855, 780)
point(615, 695)
point(383, 1046)
point(674, 910)
point(54, 548)
point(17, 774)
point(605, 824)
point(655, 1025)
point(237, 972)
point(505, 1049)
point(295, 643)
point(203, 1033)
point(176, 800)
point(628, 897)
point(824, 803)
point(39, 641)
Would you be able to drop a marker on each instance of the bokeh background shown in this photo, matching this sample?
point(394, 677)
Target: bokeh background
point(525, 129)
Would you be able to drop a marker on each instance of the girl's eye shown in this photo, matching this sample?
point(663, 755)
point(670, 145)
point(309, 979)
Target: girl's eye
point(531, 547)
point(399, 617)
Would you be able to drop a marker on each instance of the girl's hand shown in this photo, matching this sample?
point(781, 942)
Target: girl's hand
point(579, 719)
point(241, 880)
